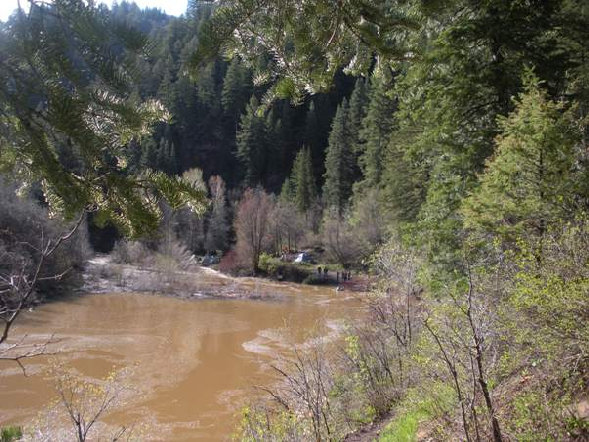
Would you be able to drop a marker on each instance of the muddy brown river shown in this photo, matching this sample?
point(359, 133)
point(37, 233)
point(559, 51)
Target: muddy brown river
point(190, 364)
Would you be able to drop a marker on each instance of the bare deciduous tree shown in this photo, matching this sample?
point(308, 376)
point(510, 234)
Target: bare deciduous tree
point(379, 350)
point(80, 406)
point(306, 383)
point(463, 330)
point(218, 227)
point(398, 267)
point(252, 225)
point(287, 227)
point(86, 402)
point(342, 244)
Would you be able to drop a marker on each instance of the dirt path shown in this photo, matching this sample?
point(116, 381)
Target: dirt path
point(369, 433)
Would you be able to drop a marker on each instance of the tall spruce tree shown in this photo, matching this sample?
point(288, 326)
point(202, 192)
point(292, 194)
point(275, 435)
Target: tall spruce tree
point(252, 144)
point(149, 153)
point(166, 157)
point(403, 180)
point(237, 88)
point(356, 116)
point(527, 184)
point(314, 139)
point(287, 135)
point(277, 146)
point(304, 181)
point(376, 130)
point(287, 191)
point(338, 162)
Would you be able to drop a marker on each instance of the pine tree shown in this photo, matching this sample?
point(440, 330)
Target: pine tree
point(311, 43)
point(164, 160)
point(287, 192)
point(376, 130)
point(252, 144)
point(527, 184)
point(276, 151)
point(287, 136)
point(356, 116)
point(338, 162)
point(314, 138)
point(304, 181)
point(167, 90)
point(172, 159)
point(236, 90)
point(62, 82)
point(207, 88)
point(403, 180)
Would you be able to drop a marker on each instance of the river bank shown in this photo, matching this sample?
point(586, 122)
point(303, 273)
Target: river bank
point(102, 275)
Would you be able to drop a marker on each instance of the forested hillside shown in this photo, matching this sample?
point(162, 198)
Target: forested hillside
point(220, 124)
point(215, 125)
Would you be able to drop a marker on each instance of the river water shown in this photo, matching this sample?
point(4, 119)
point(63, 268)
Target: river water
point(190, 364)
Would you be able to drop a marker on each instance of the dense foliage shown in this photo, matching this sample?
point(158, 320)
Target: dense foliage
point(468, 144)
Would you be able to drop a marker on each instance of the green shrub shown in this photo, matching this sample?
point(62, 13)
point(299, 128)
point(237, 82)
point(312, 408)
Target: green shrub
point(267, 263)
point(10, 434)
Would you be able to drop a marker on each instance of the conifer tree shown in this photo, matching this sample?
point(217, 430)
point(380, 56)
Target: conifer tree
point(356, 115)
point(287, 135)
point(172, 159)
point(236, 90)
point(275, 151)
point(287, 192)
point(403, 180)
point(149, 153)
point(252, 144)
point(376, 130)
point(312, 127)
point(207, 92)
point(304, 181)
point(527, 183)
point(311, 43)
point(314, 139)
point(166, 157)
point(338, 162)
point(167, 90)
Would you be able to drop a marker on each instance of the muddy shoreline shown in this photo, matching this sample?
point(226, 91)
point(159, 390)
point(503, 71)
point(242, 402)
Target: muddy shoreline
point(104, 276)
